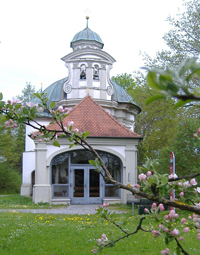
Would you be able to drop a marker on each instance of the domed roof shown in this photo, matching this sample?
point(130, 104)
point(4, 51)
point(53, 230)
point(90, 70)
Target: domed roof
point(87, 35)
point(55, 93)
point(121, 96)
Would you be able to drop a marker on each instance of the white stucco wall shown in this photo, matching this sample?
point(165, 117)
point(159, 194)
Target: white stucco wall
point(28, 166)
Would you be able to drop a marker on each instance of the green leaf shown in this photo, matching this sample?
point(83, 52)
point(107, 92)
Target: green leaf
point(186, 65)
point(2, 103)
point(21, 120)
point(52, 105)
point(172, 87)
point(92, 162)
point(37, 95)
point(56, 143)
point(17, 106)
point(71, 145)
point(152, 80)
point(195, 70)
point(154, 98)
point(164, 180)
point(25, 111)
point(152, 179)
point(181, 103)
point(84, 135)
point(1, 96)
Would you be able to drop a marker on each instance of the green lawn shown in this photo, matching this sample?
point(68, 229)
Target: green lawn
point(43, 234)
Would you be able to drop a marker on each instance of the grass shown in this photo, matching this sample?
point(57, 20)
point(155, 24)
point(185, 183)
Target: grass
point(19, 202)
point(45, 234)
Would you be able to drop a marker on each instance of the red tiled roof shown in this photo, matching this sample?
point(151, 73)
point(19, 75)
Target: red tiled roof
point(90, 116)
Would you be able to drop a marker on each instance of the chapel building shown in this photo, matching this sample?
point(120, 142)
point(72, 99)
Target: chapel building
point(96, 104)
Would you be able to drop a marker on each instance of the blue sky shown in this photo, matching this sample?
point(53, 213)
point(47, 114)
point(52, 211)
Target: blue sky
point(35, 34)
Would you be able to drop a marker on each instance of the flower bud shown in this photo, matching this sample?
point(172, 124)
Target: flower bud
point(186, 229)
point(149, 173)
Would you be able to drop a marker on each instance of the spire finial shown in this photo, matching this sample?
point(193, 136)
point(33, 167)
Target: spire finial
point(87, 12)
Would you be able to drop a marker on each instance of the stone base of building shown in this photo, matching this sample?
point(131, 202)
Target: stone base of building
point(42, 193)
point(26, 190)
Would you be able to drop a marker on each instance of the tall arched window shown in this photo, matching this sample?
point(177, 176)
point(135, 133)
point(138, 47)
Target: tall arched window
point(83, 72)
point(96, 72)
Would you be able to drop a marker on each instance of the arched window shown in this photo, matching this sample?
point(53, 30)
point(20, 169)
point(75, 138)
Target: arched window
point(83, 72)
point(96, 72)
point(62, 166)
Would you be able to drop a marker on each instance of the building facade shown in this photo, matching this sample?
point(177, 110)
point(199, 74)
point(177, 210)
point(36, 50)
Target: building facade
point(96, 104)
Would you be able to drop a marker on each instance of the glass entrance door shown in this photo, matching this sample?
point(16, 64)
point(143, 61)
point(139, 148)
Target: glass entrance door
point(85, 186)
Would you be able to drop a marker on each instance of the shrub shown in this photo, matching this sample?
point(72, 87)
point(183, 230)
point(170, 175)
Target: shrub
point(10, 180)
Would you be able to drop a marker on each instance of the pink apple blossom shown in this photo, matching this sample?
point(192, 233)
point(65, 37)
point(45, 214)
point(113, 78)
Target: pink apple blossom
point(181, 238)
point(173, 176)
point(146, 210)
point(136, 186)
point(154, 205)
point(40, 140)
point(165, 252)
point(142, 177)
point(198, 130)
point(149, 173)
point(186, 229)
point(181, 194)
point(197, 190)
point(166, 230)
point(155, 233)
point(31, 104)
point(198, 236)
point(166, 217)
point(103, 236)
point(186, 184)
point(175, 232)
point(193, 182)
point(76, 130)
point(183, 220)
point(161, 207)
point(15, 100)
point(70, 123)
point(60, 109)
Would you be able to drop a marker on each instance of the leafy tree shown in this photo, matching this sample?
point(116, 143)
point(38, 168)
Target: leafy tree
point(10, 180)
point(156, 122)
point(185, 147)
point(27, 93)
point(125, 80)
point(183, 39)
point(12, 141)
point(12, 145)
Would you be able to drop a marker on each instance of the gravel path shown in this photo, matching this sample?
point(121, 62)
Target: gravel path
point(71, 209)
